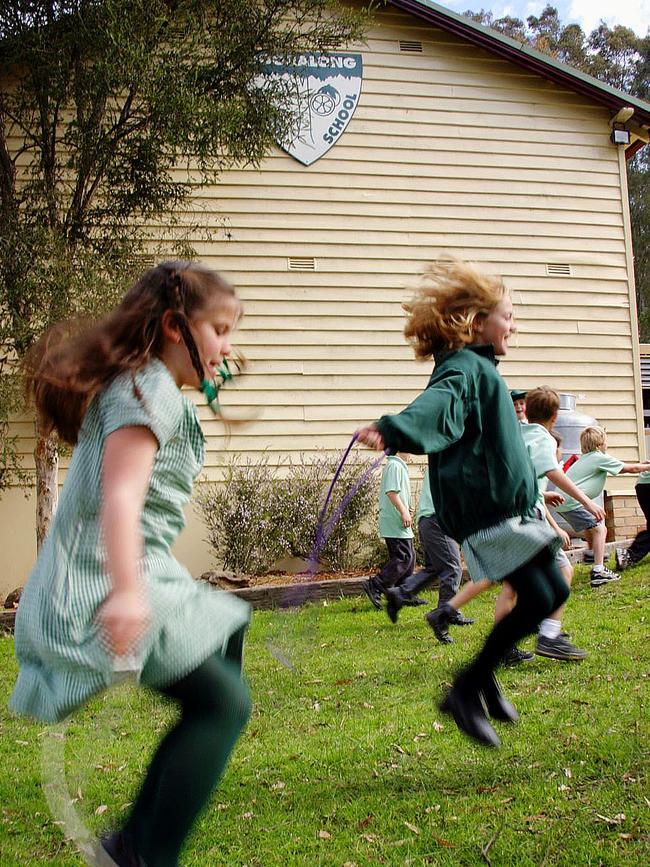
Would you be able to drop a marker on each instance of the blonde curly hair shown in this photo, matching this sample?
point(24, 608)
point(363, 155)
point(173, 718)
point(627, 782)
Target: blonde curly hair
point(451, 294)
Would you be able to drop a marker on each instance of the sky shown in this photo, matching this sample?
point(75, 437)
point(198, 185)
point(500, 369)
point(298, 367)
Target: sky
point(634, 14)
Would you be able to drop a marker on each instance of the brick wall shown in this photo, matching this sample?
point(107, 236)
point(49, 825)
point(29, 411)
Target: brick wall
point(624, 517)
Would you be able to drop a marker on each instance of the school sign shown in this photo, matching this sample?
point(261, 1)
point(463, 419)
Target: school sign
point(321, 91)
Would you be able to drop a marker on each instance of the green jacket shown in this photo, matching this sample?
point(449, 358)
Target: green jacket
point(479, 469)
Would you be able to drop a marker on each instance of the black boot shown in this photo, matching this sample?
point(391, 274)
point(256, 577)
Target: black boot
point(466, 707)
point(498, 706)
point(439, 620)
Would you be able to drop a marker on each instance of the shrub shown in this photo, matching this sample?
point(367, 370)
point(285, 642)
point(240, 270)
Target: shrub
point(259, 513)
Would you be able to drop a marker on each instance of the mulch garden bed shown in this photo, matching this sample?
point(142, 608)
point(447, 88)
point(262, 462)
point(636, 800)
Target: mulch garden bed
point(284, 589)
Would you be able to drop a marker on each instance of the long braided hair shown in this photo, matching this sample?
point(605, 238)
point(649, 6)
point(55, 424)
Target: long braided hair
point(72, 362)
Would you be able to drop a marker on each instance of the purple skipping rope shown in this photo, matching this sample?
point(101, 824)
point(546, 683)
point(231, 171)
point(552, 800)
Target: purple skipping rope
point(324, 529)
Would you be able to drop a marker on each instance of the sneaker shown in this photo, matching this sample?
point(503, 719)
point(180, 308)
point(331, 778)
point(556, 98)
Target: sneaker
point(515, 656)
point(623, 559)
point(603, 577)
point(558, 648)
point(371, 591)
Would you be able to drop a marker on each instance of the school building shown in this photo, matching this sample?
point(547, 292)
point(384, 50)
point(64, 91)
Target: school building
point(436, 135)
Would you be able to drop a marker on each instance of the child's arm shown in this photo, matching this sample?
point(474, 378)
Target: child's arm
point(566, 539)
point(129, 454)
point(642, 467)
point(564, 483)
point(393, 496)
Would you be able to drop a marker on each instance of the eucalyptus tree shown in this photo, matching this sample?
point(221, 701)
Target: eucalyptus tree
point(101, 103)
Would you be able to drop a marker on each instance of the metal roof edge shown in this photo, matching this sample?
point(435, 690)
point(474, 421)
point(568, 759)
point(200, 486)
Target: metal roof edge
point(524, 55)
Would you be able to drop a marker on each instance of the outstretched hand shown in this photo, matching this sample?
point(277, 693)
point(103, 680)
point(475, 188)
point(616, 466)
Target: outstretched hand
point(370, 436)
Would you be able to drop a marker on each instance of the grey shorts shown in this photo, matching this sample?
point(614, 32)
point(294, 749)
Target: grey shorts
point(580, 519)
point(562, 560)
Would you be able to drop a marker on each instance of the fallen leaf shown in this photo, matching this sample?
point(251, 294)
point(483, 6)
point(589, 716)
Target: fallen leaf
point(437, 727)
point(614, 820)
point(324, 835)
point(413, 828)
point(567, 773)
point(625, 836)
point(101, 809)
point(277, 786)
point(248, 815)
point(369, 838)
point(400, 749)
point(434, 809)
point(365, 822)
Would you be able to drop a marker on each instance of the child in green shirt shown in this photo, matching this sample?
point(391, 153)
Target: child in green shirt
point(589, 473)
point(395, 522)
point(483, 484)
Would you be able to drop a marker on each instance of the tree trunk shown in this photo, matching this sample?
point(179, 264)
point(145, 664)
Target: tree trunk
point(46, 457)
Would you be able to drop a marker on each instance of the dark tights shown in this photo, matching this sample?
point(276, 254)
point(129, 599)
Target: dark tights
point(214, 707)
point(540, 589)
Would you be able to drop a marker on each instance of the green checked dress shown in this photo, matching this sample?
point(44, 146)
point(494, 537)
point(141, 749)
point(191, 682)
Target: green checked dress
point(62, 660)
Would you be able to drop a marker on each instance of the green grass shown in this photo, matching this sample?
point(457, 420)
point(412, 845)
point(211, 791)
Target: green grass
point(347, 760)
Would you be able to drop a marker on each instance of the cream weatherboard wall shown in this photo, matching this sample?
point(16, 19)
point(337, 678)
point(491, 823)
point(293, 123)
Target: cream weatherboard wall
point(450, 149)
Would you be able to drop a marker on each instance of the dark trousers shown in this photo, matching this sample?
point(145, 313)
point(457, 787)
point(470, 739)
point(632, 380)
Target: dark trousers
point(540, 589)
point(641, 545)
point(441, 561)
point(401, 562)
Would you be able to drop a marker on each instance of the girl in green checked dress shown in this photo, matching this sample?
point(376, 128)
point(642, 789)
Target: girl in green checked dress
point(483, 484)
point(106, 594)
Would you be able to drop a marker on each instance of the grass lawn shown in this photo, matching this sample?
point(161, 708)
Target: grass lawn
point(347, 760)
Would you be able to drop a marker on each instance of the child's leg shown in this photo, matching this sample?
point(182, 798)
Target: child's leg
point(641, 545)
point(540, 589)
point(506, 601)
point(215, 705)
point(400, 563)
point(470, 590)
point(596, 539)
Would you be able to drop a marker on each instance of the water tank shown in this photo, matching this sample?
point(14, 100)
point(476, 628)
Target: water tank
point(570, 424)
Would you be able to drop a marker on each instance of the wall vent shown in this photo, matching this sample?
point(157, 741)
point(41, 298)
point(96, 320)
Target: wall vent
point(558, 270)
point(410, 46)
point(301, 263)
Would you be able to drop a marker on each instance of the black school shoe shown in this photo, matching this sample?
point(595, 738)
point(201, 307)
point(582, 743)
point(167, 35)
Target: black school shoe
point(115, 850)
point(468, 712)
point(515, 656)
point(439, 620)
point(461, 620)
point(373, 593)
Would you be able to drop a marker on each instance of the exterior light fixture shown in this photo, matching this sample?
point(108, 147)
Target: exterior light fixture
point(620, 135)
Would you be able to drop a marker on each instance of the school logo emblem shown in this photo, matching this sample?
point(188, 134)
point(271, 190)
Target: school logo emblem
point(321, 91)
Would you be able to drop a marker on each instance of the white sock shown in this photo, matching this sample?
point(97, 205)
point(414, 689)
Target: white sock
point(595, 568)
point(550, 628)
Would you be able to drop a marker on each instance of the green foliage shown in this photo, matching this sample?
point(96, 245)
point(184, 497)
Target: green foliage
point(261, 513)
point(100, 102)
point(350, 742)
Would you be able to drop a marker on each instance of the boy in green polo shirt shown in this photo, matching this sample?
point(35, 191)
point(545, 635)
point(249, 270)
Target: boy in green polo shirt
point(395, 527)
point(589, 474)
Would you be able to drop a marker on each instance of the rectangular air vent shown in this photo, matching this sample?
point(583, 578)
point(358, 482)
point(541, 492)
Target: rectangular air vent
point(301, 263)
point(410, 46)
point(558, 270)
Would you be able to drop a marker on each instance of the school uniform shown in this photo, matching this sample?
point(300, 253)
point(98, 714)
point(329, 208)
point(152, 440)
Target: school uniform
point(441, 554)
point(61, 657)
point(398, 538)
